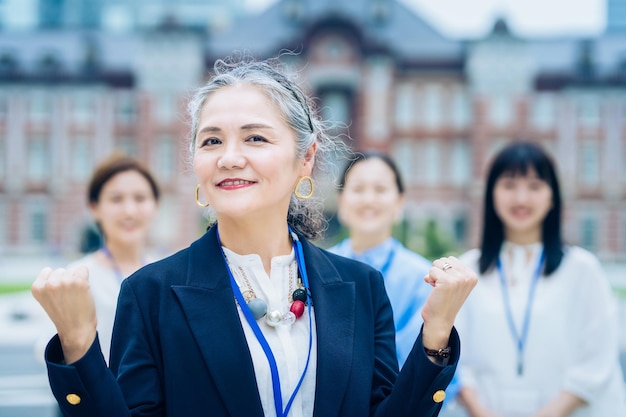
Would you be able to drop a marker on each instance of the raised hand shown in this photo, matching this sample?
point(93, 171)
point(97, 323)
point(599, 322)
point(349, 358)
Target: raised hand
point(66, 298)
point(452, 282)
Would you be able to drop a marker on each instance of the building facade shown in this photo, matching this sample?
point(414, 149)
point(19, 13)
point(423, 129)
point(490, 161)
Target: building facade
point(388, 79)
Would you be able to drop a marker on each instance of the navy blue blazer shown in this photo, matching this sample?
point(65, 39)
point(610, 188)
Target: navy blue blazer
point(179, 350)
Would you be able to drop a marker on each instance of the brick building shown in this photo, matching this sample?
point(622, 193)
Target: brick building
point(441, 107)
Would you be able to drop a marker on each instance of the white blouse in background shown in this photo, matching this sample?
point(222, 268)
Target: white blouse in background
point(572, 343)
point(289, 343)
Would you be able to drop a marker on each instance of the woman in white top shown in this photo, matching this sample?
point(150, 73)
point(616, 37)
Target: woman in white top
point(539, 331)
point(122, 196)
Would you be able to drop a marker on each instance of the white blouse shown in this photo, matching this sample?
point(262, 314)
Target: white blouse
point(572, 342)
point(289, 342)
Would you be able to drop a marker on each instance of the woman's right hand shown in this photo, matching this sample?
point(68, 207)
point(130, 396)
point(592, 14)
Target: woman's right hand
point(66, 298)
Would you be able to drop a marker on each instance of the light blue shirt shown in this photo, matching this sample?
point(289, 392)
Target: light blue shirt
point(403, 272)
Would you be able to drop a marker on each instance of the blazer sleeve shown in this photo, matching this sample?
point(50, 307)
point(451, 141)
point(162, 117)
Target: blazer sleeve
point(412, 393)
point(88, 388)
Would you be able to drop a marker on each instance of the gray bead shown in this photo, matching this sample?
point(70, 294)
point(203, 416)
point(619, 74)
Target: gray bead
point(258, 307)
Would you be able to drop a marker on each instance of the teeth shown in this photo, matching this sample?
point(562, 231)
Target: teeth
point(238, 182)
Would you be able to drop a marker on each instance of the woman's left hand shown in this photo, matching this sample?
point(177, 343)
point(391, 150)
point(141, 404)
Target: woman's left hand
point(452, 282)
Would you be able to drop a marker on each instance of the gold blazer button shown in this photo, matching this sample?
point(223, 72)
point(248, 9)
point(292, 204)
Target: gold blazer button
point(73, 399)
point(439, 396)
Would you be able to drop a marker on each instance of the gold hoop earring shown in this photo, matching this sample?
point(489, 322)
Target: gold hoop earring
point(311, 186)
point(205, 205)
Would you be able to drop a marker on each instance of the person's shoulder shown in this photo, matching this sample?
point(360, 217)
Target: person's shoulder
point(88, 260)
point(471, 257)
point(346, 266)
point(341, 248)
point(579, 257)
point(337, 259)
point(413, 259)
point(162, 271)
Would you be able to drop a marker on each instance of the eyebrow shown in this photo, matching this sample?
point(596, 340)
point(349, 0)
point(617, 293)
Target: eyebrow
point(249, 126)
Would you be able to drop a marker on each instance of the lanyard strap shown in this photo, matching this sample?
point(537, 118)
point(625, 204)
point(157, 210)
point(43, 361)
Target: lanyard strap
point(278, 398)
point(519, 338)
point(392, 253)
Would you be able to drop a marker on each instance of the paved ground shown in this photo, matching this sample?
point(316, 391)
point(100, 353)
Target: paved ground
point(24, 390)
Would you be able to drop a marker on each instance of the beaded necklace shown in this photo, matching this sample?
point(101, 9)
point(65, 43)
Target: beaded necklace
point(273, 318)
point(258, 333)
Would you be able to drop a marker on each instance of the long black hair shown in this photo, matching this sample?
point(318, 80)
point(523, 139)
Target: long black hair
point(516, 159)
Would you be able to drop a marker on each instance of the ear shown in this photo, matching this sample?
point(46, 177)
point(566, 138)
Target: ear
point(309, 160)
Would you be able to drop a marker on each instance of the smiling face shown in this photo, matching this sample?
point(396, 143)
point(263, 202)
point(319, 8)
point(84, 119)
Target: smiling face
point(126, 205)
point(245, 155)
point(522, 203)
point(370, 201)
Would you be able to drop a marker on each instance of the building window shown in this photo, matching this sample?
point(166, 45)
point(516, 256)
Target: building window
point(128, 145)
point(623, 163)
point(165, 158)
point(39, 226)
point(125, 109)
point(404, 157)
point(432, 161)
point(589, 111)
point(543, 111)
point(336, 107)
point(81, 159)
point(83, 107)
point(501, 111)
point(40, 106)
point(166, 110)
point(589, 163)
point(460, 162)
point(460, 108)
point(3, 155)
point(405, 106)
point(38, 159)
point(4, 107)
point(433, 110)
point(588, 233)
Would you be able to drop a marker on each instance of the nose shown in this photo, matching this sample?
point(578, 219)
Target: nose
point(369, 196)
point(232, 156)
point(521, 195)
point(130, 206)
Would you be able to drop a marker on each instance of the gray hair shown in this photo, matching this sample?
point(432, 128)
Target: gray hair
point(304, 216)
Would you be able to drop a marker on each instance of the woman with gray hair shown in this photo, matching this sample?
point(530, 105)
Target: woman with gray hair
point(252, 319)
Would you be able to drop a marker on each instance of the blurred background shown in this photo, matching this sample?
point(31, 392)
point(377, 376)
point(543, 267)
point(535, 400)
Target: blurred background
point(438, 85)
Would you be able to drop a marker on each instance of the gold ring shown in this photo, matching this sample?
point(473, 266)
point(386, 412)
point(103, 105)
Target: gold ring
point(446, 266)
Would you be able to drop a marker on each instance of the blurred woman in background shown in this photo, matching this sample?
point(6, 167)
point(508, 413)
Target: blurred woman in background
point(370, 202)
point(123, 199)
point(539, 331)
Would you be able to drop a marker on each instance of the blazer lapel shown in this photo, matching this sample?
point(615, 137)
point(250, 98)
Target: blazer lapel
point(211, 312)
point(334, 303)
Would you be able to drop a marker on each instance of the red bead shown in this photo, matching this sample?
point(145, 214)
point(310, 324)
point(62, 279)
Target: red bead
point(297, 308)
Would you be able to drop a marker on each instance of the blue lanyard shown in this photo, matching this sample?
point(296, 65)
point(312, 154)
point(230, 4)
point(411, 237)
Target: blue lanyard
point(278, 398)
point(385, 267)
point(520, 338)
point(392, 253)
